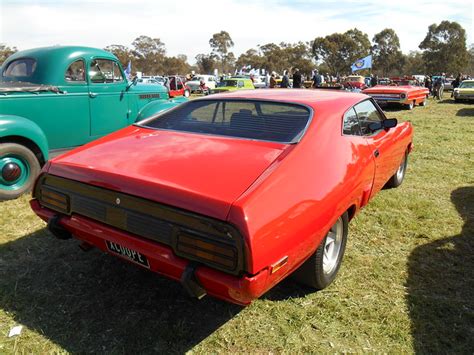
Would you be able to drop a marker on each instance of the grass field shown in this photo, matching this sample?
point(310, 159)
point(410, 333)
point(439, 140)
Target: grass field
point(406, 283)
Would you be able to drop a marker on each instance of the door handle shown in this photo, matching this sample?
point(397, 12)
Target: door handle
point(376, 153)
point(92, 94)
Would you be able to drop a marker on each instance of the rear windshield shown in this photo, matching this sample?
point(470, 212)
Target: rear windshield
point(261, 120)
point(20, 68)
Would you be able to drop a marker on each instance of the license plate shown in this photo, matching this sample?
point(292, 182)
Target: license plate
point(127, 253)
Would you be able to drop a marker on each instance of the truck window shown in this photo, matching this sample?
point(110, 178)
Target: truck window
point(76, 71)
point(105, 71)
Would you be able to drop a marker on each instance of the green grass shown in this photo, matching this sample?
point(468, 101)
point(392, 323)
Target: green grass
point(406, 284)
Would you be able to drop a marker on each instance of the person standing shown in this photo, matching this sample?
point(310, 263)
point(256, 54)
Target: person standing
point(273, 82)
point(285, 81)
point(316, 79)
point(374, 80)
point(296, 79)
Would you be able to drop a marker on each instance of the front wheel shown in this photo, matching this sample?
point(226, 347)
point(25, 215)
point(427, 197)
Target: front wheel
point(320, 270)
point(411, 105)
point(186, 93)
point(424, 102)
point(19, 168)
point(397, 178)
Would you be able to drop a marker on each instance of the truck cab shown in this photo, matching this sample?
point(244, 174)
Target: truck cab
point(56, 98)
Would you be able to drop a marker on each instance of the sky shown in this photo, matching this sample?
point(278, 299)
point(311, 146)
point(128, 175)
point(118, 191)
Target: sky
point(185, 26)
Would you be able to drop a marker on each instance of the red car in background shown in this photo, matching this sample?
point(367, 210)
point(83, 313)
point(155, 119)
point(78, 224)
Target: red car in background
point(230, 193)
point(178, 87)
point(401, 91)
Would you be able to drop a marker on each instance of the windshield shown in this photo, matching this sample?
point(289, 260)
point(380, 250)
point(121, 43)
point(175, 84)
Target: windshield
point(467, 85)
point(228, 83)
point(261, 120)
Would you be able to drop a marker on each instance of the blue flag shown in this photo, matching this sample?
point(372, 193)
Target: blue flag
point(128, 70)
point(363, 63)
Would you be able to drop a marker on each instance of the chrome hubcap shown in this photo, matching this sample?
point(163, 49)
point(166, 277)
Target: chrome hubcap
point(11, 172)
point(401, 170)
point(332, 247)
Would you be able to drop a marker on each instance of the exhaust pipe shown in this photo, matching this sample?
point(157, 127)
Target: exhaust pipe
point(56, 230)
point(190, 282)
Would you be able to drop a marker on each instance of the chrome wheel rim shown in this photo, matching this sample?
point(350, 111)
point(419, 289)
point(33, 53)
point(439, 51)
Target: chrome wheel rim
point(401, 170)
point(332, 247)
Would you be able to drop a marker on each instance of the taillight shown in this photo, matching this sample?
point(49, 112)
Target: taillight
point(55, 200)
point(208, 251)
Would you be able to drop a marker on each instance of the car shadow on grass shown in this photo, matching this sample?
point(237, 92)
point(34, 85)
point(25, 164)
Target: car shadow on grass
point(465, 112)
point(440, 284)
point(95, 303)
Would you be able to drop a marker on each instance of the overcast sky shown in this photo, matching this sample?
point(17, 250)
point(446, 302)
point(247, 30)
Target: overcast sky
point(185, 26)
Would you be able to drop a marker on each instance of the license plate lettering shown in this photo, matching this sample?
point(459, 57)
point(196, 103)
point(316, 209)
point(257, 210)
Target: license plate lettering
point(130, 254)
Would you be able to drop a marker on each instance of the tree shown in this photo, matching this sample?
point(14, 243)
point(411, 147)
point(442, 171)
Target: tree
point(206, 63)
point(5, 52)
point(149, 54)
point(221, 43)
point(176, 65)
point(123, 53)
point(444, 47)
point(413, 63)
point(469, 69)
point(386, 52)
point(339, 50)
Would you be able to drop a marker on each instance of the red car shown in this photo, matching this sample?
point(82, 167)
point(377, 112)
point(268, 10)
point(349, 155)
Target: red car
point(230, 193)
point(402, 92)
point(178, 87)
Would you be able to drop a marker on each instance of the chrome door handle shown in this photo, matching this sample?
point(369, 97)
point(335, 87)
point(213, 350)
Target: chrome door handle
point(376, 153)
point(92, 94)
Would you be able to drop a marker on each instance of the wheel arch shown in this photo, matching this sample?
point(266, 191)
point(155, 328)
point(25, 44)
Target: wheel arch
point(20, 130)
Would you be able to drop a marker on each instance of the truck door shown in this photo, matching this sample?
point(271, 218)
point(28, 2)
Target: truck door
point(108, 97)
point(381, 142)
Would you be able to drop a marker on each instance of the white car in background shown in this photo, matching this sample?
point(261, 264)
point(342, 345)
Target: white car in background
point(209, 80)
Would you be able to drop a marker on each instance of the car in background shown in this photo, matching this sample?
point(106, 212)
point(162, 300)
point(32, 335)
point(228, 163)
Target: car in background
point(177, 87)
point(354, 82)
point(149, 81)
point(55, 98)
point(234, 84)
point(404, 94)
point(230, 193)
point(448, 84)
point(194, 84)
point(465, 91)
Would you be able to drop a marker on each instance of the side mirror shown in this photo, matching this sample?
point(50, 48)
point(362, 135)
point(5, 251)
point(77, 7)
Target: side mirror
point(132, 83)
point(388, 123)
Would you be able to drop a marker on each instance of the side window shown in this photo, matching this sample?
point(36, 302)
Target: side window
point(76, 71)
point(350, 124)
point(104, 71)
point(240, 84)
point(180, 84)
point(367, 114)
point(20, 67)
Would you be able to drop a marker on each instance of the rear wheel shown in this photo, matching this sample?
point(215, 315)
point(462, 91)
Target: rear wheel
point(186, 93)
point(424, 102)
point(321, 268)
point(19, 168)
point(397, 179)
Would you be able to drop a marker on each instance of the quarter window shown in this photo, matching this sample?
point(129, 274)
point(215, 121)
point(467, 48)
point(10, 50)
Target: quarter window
point(76, 71)
point(105, 71)
point(367, 114)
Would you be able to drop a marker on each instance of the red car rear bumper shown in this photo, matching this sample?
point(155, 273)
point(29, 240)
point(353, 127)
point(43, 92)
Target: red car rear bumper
point(162, 260)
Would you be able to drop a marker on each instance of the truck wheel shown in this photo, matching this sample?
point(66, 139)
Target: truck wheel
point(397, 178)
point(19, 168)
point(321, 268)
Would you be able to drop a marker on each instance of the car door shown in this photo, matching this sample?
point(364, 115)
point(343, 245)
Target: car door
point(108, 99)
point(381, 142)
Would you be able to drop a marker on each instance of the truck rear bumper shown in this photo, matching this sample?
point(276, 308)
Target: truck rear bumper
point(161, 259)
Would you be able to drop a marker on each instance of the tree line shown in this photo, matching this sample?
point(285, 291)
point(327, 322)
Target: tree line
point(442, 50)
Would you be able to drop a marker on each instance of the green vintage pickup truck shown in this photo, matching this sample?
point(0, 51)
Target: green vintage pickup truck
point(56, 98)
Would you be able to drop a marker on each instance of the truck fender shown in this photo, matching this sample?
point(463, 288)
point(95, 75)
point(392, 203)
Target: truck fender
point(17, 126)
point(156, 107)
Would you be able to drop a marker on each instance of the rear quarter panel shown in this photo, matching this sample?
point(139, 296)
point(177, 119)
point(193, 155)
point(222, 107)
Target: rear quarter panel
point(290, 208)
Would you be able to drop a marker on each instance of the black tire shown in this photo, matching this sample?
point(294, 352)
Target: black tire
point(397, 178)
point(424, 102)
point(29, 159)
point(410, 105)
point(312, 273)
